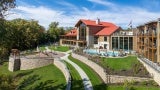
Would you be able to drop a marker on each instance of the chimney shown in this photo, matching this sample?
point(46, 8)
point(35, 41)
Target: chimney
point(98, 21)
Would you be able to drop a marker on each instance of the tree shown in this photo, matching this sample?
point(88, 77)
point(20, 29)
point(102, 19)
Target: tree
point(54, 31)
point(20, 34)
point(3, 40)
point(5, 5)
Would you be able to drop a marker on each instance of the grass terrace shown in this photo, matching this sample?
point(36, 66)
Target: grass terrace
point(119, 63)
point(127, 66)
point(95, 79)
point(43, 78)
point(59, 48)
point(76, 83)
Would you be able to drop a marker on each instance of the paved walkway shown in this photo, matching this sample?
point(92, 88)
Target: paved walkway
point(86, 82)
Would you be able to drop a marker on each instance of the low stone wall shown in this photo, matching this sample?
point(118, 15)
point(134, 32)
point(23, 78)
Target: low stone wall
point(28, 63)
point(34, 63)
point(60, 64)
point(98, 69)
point(121, 79)
point(153, 72)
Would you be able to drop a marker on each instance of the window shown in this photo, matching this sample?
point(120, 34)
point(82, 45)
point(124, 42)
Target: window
point(105, 46)
point(95, 40)
point(82, 31)
point(105, 38)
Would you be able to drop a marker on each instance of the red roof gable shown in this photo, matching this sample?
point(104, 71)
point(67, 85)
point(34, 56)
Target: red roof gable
point(108, 28)
point(93, 23)
point(72, 33)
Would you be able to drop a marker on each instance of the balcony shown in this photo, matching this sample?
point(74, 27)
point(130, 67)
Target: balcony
point(154, 34)
point(82, 38)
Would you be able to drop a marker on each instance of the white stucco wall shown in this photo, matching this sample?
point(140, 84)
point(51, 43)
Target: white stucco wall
point(101, 44)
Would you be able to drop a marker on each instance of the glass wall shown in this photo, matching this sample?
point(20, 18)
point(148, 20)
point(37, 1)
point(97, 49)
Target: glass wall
point(124, 43)
point(115, 43)
point(82, 32)
point(121, 43)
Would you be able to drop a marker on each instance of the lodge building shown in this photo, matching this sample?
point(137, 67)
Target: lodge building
point(98, 34)
point(148, 41)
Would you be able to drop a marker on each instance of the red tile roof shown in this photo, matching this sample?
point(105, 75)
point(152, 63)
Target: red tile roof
point(108, 28)
point(73, 32)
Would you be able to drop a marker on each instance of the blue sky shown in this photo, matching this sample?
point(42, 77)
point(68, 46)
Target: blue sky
point(68, 12)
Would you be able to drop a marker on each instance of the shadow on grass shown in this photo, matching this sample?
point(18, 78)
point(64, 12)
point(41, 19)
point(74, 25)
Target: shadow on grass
point(77, 85)
point(28, 81)
point(46, 85)
point(19, 75)
point(102, 86)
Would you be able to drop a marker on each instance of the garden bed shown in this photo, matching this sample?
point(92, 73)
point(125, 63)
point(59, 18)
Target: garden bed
point(128, 66)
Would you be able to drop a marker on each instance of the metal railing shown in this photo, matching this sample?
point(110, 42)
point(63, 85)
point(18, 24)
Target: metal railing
point(155, 66)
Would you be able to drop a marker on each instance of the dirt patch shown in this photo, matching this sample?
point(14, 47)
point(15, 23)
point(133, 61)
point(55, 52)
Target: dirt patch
point(131, 72)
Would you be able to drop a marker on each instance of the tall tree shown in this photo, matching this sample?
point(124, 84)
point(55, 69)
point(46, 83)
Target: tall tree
point(54, 31)
point(21, 34)
point(5, 5)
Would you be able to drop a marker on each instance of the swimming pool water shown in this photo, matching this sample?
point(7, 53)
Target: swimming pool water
point(99, 52)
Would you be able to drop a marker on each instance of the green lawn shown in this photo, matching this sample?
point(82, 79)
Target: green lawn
point(77, 83)
point(119, 63)
point(95, 79)
point(59, 48)
point(48, 77)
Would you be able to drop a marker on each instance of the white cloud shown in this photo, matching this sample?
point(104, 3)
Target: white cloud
point(66, 4)
point(43, 14)
point(102, 2)
point(121, 15)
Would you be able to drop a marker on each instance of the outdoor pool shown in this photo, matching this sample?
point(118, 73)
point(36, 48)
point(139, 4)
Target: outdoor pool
point(102, 53)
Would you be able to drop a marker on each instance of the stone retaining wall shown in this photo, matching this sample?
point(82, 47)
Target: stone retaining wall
point(121, 79)
point(61, 65)
point(34, 63)
point(98, 69)
point(154, 73)
point(63, 68)
point(28, 63)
